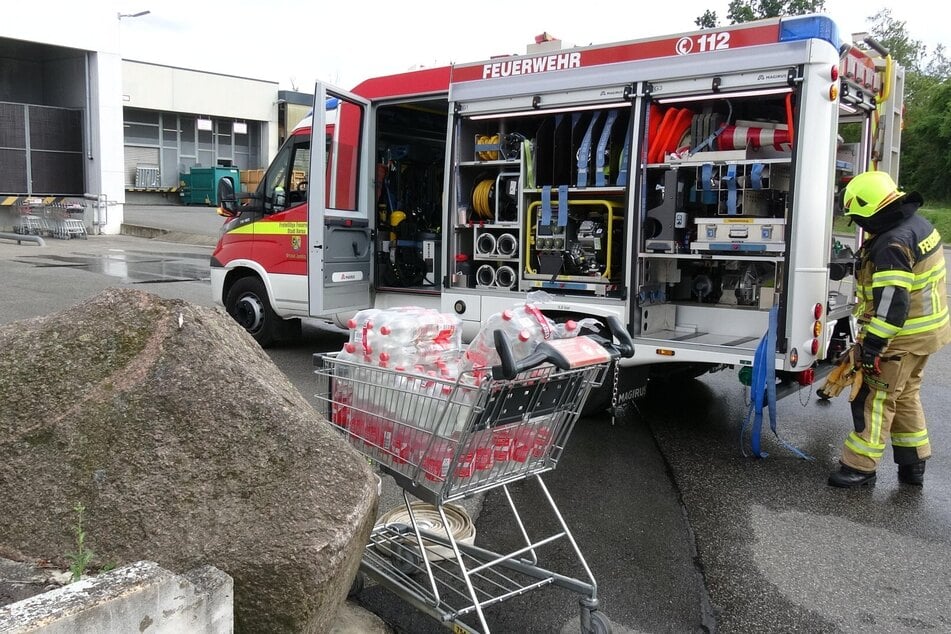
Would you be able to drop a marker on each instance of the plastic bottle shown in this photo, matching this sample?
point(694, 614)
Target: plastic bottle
point(542, 441)
point(482, 352)
point(437, 460)
point(523, 440)
point(362, 334)
point(483, 450)
point(466, 464)
point(425, 327)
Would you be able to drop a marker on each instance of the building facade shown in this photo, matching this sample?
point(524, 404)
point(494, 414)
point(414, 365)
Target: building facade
point(78, 123)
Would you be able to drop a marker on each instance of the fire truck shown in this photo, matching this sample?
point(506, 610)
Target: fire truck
point(685, 184)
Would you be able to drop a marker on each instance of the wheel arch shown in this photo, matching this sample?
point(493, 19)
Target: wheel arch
point(241, 270)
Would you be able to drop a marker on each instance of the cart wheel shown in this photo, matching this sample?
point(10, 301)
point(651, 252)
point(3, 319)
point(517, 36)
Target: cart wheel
point(598, 623)
point(357, 586)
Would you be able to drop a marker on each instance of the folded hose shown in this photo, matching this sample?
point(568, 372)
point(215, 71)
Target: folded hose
point(427, 518)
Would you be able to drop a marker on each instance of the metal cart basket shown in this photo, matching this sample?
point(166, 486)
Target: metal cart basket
point(445, 440)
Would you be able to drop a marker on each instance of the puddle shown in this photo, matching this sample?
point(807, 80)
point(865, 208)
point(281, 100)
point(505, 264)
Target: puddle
point(132, 267)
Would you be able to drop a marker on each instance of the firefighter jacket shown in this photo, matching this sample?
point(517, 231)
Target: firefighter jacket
point(901, 292)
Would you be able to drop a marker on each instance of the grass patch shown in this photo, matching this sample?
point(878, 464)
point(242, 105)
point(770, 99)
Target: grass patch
point(938, 214)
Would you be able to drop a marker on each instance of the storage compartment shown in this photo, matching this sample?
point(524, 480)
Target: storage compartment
point(410, 156)
point(538, 201)
point(715, 300)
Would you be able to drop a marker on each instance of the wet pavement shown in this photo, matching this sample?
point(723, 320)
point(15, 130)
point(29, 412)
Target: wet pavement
point(681, 530)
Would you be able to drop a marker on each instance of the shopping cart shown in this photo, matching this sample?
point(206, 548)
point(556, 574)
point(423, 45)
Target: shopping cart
point(445, 440)
point(68, 220)
point(31, 218)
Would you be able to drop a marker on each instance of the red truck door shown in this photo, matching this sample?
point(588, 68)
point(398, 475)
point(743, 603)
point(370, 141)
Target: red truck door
point(341, 247)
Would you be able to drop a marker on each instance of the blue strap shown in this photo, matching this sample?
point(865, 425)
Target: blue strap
point(584, 152)
point(710, 139)
point(546, 205)
point(625, 160)
point(707, 172)
point(756, 175)
point(731, 189)
point(599, 179)
point(764, 388)
point(562, 205)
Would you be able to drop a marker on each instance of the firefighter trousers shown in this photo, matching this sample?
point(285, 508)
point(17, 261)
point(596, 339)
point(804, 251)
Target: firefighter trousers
point(888, 406)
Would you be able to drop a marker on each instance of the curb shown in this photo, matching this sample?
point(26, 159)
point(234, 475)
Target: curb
point(165, 235)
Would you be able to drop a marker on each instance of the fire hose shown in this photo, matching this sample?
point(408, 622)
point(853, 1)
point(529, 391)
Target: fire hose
point(460, 525)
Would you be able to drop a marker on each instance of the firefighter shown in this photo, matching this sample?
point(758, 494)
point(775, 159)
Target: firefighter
point(902, 313)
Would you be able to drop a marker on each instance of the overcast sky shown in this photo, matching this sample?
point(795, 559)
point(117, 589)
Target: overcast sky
point(344, 42)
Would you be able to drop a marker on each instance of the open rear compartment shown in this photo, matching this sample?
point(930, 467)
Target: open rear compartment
point(713, 241)
point(410, 154)
point(539, 202)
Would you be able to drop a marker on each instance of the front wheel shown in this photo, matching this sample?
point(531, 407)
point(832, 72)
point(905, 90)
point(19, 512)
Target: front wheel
point(248, 304)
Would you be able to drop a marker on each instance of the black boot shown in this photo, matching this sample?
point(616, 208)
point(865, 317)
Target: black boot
point(848, 478)
point(912, 473)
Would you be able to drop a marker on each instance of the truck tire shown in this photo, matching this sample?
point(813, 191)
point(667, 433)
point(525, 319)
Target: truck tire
point(248, 304)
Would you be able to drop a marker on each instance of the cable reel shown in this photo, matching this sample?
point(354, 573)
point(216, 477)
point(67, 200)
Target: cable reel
point(483, 199)
point(488, 155)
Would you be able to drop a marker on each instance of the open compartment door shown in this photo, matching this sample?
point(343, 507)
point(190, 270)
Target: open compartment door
point(339, 265)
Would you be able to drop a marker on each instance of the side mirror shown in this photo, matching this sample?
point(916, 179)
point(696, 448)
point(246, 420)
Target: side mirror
point(227, 203)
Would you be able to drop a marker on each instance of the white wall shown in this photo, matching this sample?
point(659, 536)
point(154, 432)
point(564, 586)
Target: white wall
point(95, 27)
point(170, 89)
point(157, 87)
point(88, 26)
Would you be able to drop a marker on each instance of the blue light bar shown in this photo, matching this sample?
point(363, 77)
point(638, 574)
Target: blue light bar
point(809, 27)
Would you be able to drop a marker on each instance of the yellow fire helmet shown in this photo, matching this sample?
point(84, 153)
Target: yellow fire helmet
point(869, 192)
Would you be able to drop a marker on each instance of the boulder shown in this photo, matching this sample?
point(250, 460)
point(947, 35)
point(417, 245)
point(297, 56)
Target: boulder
point(187, 446)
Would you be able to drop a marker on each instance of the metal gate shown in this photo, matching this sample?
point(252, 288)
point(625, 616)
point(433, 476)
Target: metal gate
point(41, 150)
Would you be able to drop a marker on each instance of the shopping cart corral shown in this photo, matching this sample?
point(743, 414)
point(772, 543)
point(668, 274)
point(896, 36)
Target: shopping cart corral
point(443, 440)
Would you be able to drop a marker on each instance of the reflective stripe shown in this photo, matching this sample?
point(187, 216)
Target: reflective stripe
point(881, 328)
point(904, 279)
point(919, 325)
point(270, 228)
point(931, 276)
point(863, 448)
point(910, 439)
point(878, 412)
point(888, 294)
point(928, 298)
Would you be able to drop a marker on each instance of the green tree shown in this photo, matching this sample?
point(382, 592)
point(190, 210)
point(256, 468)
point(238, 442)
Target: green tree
point(925, 158)
point(748, 10)
point(708, 20)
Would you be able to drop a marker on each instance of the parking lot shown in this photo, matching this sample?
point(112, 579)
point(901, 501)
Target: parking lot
point(682, 532)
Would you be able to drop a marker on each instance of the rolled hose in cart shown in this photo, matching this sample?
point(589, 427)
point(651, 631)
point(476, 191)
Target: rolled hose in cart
point(427, 517)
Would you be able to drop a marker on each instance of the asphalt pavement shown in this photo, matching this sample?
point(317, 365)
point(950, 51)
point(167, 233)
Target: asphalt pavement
point(682, 531)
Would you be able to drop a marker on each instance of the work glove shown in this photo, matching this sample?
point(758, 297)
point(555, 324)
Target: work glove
point(872, 347)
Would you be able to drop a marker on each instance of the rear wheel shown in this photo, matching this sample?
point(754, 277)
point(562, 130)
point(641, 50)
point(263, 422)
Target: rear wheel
point(248, 304)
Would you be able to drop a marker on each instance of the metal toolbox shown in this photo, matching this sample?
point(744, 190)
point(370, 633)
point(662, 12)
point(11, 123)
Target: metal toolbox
point(740, 234)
